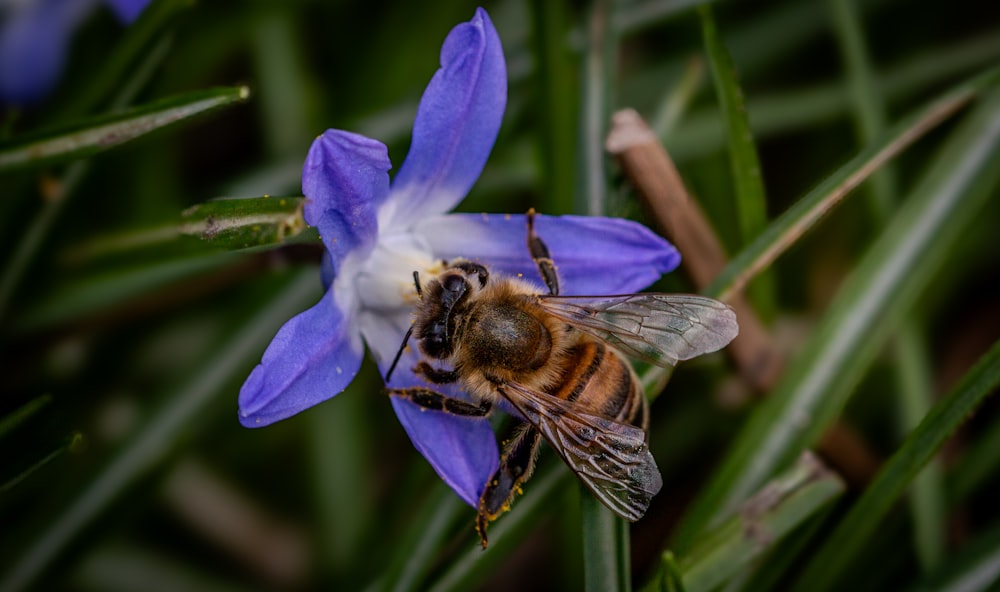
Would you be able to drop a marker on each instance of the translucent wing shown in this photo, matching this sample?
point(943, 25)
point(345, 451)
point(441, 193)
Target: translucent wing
point(657, 328)
point(611, 458)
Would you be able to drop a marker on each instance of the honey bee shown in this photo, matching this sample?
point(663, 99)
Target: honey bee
point(558, 361)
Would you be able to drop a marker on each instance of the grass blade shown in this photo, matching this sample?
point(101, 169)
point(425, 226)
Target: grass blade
point(101, 133)
point(918, 449)
point(775, 511)
point(881, 289)
point(156, 438)
point(10, 421)
point(976, 567)
point(750, 200)
point(67, 444)
point(787, 228)
point(557, 109)
point(474, 566)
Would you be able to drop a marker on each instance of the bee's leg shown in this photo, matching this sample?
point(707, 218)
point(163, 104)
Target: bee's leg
point(435, 375)
point(516, 464)
point(540, 253)
point(430, 399)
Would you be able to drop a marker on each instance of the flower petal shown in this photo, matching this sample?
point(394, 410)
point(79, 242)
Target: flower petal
point(456, 125)
point(313, 357)
point(346, 179)
point(593, 255)
point(33, 41)
point(127, 10)
point(462, 451)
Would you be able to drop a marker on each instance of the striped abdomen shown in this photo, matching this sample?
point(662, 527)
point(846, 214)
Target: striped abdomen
point(598, 379)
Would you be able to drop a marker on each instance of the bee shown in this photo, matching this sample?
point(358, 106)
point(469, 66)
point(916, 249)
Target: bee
point(560, 363)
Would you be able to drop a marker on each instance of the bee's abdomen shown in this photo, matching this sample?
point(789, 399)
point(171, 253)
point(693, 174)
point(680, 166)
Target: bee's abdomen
point(597, 378)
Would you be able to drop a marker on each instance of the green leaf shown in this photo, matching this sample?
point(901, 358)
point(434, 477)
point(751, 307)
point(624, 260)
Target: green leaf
point(761, 523)
point(246, 223)
point(846, 541)
point(97, 134)
point(252, 223)
point(881, 289)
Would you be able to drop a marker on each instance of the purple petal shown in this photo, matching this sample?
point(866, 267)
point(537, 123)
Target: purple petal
point(593, 255)
point(127, 10)
point(33, 41)
point(463, 451)
point(456, 124)
point(346, 179)
point(314, 356)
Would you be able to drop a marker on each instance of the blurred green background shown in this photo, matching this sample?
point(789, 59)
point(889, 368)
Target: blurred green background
point(124, 346)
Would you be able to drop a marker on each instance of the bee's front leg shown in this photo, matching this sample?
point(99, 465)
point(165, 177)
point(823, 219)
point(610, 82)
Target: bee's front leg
point(435, 375)
point(516, 464)
point(540, 253)
point(431, 399)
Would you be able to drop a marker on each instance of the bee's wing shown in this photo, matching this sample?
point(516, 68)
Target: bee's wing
point(657, 328)
point(611, 458)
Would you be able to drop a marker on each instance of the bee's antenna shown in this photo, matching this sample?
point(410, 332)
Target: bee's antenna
point(416, 282)
point(406, 338)
point(399, 354)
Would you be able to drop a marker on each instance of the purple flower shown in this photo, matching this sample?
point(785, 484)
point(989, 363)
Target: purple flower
point(377, 235)
point(34, 36)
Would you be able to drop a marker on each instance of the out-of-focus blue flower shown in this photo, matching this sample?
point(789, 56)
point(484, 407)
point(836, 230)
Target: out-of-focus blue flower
point(34, 37)
point(377, 234)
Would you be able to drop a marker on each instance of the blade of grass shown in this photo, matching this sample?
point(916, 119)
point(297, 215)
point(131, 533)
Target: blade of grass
point(675, 103)
point(18, 416)
point(750, 199)
point(762, 522)
point(93, 294)
point(474, 566)
point(65, 445)
point(120, 64)
point(977, 466)
point(37, 231)
point(606, 551)
point(606, 561)
point(97, 134)
point(38, 228)
point(156, 438)
point(556, 115)
point(867, 103)
point(788, 228)
point(595, 109)
point(975, 567)
point(423, 541)
point(227, 224)
point(881, 289)
point(701, 133)
point(778, 509)
point(912, 380)
point(926, 499)
point(841, 547)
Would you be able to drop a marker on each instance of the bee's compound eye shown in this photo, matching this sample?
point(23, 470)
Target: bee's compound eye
point(453, 283)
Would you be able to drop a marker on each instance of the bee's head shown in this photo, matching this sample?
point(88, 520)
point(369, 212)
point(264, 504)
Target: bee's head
point(443, 300)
